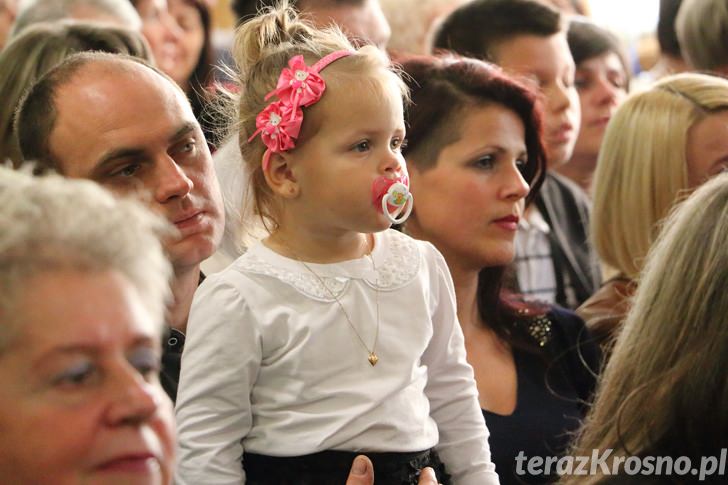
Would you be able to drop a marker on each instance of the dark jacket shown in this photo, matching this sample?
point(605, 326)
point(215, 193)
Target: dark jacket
point(172, 347)
point(565, 207)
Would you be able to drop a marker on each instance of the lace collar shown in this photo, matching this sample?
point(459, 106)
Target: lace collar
point(396, 256)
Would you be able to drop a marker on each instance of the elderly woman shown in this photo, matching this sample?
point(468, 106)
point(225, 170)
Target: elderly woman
point(84, 281)
point(644, 168)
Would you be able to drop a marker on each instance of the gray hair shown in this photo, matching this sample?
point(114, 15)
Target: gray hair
point(51, 223)
point(34, 11)
point(701, 27)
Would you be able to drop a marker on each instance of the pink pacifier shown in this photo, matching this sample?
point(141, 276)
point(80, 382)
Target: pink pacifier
point(395, 198)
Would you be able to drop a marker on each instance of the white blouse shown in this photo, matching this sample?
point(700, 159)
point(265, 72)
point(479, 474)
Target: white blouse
point(272, 366)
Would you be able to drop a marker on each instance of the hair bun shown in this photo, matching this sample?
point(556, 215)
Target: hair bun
point(273, 30)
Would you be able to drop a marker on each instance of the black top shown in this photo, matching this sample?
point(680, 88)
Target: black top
point(550, 399)
point(172, 348)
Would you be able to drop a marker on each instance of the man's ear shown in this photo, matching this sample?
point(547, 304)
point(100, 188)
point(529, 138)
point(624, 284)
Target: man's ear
point(280, 176)
point(414, 173)
point(412, 170)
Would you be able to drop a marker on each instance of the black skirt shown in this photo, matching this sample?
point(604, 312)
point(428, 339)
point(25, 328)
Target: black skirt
point(332, 468)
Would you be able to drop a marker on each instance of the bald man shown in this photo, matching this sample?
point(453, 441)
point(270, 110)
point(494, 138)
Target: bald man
point(130, 128)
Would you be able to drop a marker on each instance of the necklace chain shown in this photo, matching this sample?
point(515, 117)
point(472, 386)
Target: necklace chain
point(372, 354)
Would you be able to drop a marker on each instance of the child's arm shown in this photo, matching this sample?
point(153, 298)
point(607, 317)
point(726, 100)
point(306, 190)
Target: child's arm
point(451, 390)
point(219, 367)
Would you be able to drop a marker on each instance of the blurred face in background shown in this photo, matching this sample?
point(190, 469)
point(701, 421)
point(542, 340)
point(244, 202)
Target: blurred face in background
point(8, 9)
point(707, 148)
point(548, 63)
point(365, 22)
point(187, 16)
point(162, 33)
point(602, 86)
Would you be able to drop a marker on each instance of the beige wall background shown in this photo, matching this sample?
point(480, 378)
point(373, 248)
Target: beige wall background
point(222, 16)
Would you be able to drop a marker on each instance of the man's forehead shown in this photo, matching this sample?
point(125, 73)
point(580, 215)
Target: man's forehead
point(118, 89)
point(101, 109)
point(528, 53)
point(116, 69)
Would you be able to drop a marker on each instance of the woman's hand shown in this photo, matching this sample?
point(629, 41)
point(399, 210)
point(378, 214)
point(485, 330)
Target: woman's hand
point(362, 473)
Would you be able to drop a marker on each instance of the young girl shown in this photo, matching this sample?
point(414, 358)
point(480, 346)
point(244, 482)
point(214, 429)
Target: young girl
point(333, 336)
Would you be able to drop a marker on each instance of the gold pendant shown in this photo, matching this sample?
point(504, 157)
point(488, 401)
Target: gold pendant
point(373, 359)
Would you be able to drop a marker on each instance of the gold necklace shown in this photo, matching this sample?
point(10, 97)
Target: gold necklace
point(372, 354)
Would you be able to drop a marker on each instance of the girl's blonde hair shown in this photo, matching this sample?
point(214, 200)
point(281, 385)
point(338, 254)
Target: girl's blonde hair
point(664, 391)
point(262, 48)
point(642, 167)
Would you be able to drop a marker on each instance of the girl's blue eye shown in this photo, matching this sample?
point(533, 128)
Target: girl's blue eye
point(399, 143)
point(362, 146)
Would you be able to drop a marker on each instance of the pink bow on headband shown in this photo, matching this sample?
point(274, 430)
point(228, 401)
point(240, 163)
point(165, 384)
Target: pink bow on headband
point(299, 85)
point(279, 124)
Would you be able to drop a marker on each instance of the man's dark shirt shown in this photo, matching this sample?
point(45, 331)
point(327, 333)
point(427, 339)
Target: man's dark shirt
point(172, 349)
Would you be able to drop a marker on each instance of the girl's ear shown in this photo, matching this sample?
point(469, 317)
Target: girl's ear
point(280, 176)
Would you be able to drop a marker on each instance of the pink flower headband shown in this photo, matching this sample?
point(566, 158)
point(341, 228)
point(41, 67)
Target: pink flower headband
point(298, 86)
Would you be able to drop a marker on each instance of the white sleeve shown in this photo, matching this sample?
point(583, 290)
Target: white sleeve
point(220, 363)
point(451, 389)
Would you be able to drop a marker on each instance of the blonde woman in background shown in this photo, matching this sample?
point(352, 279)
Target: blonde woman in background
point(42, 46)
point(660, 144)
point(664, 391)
